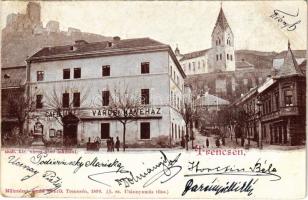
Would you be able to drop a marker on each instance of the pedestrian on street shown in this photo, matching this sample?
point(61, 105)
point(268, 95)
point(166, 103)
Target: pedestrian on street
point(207, 142)
point(112, 144)
point(217, 143)
point(108, 144)
point(183, 142)
point(186, 141)
point(223, 141)
point(117, 144)
point(242, 141)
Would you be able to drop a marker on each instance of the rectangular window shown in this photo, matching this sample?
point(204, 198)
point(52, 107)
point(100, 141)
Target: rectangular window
point(277, 101)
point(220, 56)
point(76, 99)
point(40, 75)
point(65, 100)
point(145, 68)
point(145, 96)
point(66, 73)
point(216, 57)
point(227, 56)
point(106, 70)
point(39, 103)
point(144, 130)
point(105, 95)
point(77, 72)
point(231, 57)
point(105, 130)
point(288, 94)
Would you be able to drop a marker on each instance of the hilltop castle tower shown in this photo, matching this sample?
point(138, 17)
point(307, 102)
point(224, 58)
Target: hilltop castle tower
point(222, 52)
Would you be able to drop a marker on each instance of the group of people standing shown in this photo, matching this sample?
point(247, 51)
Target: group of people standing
point(111, 145)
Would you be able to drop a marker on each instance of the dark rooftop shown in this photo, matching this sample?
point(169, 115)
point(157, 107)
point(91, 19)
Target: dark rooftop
point(290, 66)
point(85, 47)
point(243, 64)
point(194, 54)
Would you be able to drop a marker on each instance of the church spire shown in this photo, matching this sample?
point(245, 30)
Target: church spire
point(290, 66)
point(221, 19)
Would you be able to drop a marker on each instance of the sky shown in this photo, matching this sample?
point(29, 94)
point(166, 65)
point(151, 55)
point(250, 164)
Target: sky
point(188, 24)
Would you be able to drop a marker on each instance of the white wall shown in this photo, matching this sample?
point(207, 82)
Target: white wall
point(198, 69)
point(125, 72)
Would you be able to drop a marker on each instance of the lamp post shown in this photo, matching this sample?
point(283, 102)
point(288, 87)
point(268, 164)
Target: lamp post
point(259, 104)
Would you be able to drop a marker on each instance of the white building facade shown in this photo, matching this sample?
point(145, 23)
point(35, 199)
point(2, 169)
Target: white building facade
point(86, 76)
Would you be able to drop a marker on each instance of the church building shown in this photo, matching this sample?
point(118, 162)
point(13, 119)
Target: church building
point(220, 57)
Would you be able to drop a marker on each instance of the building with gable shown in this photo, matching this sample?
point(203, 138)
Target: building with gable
point(282, 105)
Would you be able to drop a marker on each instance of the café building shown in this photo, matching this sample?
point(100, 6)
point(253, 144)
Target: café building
point(74, 86)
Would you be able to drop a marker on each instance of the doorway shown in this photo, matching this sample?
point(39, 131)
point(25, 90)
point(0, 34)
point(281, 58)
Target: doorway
point(70, 128)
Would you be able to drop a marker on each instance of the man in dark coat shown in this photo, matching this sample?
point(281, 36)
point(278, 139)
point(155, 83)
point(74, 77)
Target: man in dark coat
point(207, 142)
point(117, 144)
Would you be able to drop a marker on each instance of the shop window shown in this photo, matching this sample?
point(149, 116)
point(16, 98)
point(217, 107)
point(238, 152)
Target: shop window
point(59, 133)
point(40, 75)
point(66, 73)
point(145, 130)
point(106, 70)
point(105, 96)
point(39, 102)
point(105, 130)
point(65, 100)
point(38, 128)
point(77, 72)
point(145, 68)
point(52, 133)
point(288, 94)
point(76, 99)
point(145, 96)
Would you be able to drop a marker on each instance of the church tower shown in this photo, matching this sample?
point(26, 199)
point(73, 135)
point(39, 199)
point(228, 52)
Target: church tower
point(222, 54)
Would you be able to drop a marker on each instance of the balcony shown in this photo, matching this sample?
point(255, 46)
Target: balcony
point(283, 111)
